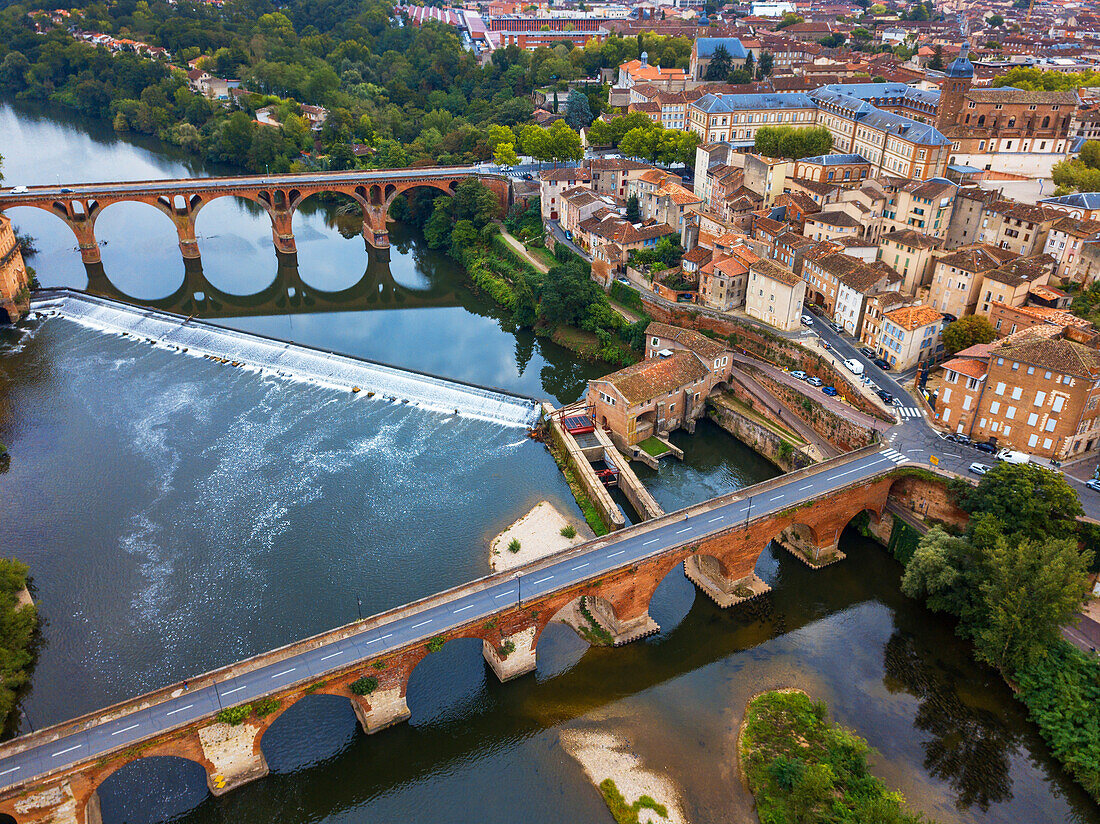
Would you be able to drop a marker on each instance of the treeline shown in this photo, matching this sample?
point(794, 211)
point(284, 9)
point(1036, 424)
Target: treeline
point(1081, 174)
point(1014, 578)
point(1036, 80)
point(638, 136)
point(789, 141)
point(412, 95)
point(18, 625)
point(464, 227)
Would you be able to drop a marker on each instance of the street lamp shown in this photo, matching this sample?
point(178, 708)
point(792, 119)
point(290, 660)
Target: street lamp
point(748, 511)
point(359, 606)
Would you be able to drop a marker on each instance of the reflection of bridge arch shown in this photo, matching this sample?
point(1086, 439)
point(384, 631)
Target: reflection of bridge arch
point(279, 196)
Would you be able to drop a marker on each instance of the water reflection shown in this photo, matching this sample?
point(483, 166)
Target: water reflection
point(969, 747)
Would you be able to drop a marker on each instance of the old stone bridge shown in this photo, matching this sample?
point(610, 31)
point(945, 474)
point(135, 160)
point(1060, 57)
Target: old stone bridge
point(601, 588)
point(279, 195)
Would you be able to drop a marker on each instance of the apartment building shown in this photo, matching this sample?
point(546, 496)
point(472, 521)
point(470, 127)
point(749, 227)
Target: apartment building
point(609, 175)
point(723, 280)
point(775, 295)
point(735, 118)
point(854, 289)
point(957, 277)
point(1064, 244)
point(552, 183)
point(911, 254)
point(909, 336)
point(1012, 283)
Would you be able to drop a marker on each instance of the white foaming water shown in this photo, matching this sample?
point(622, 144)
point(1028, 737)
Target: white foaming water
point(288, 360)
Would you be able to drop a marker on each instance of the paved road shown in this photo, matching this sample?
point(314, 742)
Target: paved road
point(465, 606)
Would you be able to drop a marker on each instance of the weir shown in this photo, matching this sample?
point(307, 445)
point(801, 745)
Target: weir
point(289, 360)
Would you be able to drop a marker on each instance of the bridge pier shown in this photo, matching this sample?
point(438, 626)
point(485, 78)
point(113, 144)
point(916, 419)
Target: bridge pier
point(234, 755)
point(60, 804)
point(726, 591)
point(282, 232)
point(85, 238)
point(513, 656)
point(803, 543)
point(375, 232)
point(625, 629)
point(382, 708)
point(189, 244)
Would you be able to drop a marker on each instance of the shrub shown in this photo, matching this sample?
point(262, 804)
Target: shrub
point(364, 686)
point(513, 545)
point(569, 531)
point(506, 649)
point(234, 715)
point(265, 706)
point(436, 644)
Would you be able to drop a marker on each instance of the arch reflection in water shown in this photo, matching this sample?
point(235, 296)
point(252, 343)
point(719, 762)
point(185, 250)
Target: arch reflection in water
point(153, 789)
point(286, 294)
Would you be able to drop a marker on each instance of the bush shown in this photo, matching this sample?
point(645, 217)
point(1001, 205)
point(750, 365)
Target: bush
point(265, 706)
point(364, 686)
point(234, 715)
point(513, 545)
point(436, 644)
point(624, 813)
point(569, 531)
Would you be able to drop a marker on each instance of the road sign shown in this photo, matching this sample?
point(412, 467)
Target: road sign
point(932, 459)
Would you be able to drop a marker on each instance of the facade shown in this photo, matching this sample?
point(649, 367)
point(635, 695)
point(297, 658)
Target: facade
point(842, 169)
point(610, 174)
point(13, 274)
point(775, 295)
point(909, 336)
point(636, 72)
point(552, 183)
point(1065, 242)
point(911, 254)
point(703, 48)
point(957, 277)
point(723, 280)
point(1037, 391)
point(1011, 284)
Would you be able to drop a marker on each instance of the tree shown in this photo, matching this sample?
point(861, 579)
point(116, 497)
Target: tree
point(721, 64)
point(633, 209)
point(578, 114)
point(967, 331)
point(936, 63)
point(788, 141)
point(936, 572)
point(789, 19)
point(750, 66)
point(764, 69)
point(994, 21)
point(1026, 500)
point(563, 142)
point(505, 155)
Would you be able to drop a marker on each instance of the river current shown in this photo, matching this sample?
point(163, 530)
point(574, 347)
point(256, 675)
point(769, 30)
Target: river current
point(177, 514)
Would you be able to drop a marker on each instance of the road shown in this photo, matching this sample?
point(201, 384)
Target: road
point(535, 580)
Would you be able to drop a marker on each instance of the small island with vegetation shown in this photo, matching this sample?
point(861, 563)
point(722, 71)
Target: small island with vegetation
point(803, 768)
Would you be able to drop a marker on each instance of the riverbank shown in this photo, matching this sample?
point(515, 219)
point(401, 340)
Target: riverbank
point(802, 767)
point(18, 628)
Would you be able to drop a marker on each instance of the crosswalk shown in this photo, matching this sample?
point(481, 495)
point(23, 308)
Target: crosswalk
point(895, 456)
point(908, 411)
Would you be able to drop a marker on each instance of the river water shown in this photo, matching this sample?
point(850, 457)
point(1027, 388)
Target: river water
point(177, 515)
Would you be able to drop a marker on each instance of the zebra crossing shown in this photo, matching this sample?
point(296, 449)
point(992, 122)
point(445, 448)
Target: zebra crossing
point(895, 456)
point(908, 411)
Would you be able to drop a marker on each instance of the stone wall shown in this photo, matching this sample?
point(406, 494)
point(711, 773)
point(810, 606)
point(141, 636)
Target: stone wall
point(758, 437)
point(928, 496)
point(586, 476)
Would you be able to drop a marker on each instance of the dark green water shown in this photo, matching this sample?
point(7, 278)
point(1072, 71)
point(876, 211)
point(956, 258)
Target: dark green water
point(176, 517)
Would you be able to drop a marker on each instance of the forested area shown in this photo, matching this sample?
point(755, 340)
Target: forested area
point(410, 95)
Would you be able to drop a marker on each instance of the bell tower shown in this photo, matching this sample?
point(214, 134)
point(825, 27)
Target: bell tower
point(956, 83)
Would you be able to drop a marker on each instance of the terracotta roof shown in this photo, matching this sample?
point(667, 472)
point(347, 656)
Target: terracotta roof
point(700, 344)
point(1057, 354)
point(967, 366)
point(616, 164)
point(914, 317)
point(912, 238)
point(1076, 228)
point(977, 258)
point(842, 219)
point(1047, 314)
point(768, 269)
point(565, 174)
point(654, 377)
point(698, 255)
point(1004, 95)
point(1020, 271)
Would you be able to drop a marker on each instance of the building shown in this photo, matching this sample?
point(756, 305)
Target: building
point(957, 277)
point(775, 295)
point(530, 33)
point(911, 254)
point(909, 336)
point(842, 169)
point(703, 48)
point(735, 118)
point(1065, 242)
point(665, 391)
point(1037, 391)
point(637, 72)
point(13, 274)
point(1012, 283)
point(1081, 205)
point(553, 182)
point(766, 176)
point(661, 197)
point(723, 279)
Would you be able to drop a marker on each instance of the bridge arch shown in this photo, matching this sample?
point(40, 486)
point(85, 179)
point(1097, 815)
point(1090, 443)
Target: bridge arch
point(592, 617)
point(148, 267)
point(176, 784)
point(307, 731)
point(448, 685)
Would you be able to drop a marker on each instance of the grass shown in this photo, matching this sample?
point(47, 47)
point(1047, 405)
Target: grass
point(234, 715)
point(569, 531)
point(801, 767)
point(654, 447)
point(436, 644)
point(593, 633)
point(513, 545)
point(624, 813)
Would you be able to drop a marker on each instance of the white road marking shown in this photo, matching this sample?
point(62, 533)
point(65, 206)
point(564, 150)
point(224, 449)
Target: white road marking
point(685, 529)
point(235, 689)
point(463, 609)
point(804, 488)
point(719, 518)
point(181, 709)
point(62, 752)
point(776, 498)
point(284, 672)
point(613, 554)
point(341, 652)
point(653, 541)
point(540, 580)
point(117, 732)
point(501, 595)
point(384, 637)
point(421, 624)
point(582, 566)
point(13, 769)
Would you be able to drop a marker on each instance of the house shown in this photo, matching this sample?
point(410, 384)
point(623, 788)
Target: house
point(723, 279)
point(909, 336)
point(911, 253)
point(1064, 243)
point(957, 277)
point(1011, 284)
point(703, 49)
point(553, 182)
point(775, 295)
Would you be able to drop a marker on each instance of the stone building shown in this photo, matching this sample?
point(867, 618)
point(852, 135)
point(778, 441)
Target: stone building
point(775, 295)
point(13, 275)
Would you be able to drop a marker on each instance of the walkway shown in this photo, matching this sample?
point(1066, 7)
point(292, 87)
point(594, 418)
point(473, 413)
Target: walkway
point(788, 418)
point(521, 250)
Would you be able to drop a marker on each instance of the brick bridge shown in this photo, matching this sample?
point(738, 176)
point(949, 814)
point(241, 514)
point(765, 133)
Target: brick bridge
point(79, 205)
point(52, 775)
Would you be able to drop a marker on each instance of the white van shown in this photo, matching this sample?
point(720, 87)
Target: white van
point(1013, 457)
point(854, 366)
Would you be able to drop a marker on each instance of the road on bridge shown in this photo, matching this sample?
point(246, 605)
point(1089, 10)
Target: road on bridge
point(539, 579)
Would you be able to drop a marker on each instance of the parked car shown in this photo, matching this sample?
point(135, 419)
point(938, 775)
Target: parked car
point(814, 381)
point(66, 191)
point(528, 176)
point(979, 468)
point(1013, 457)
point(853, 366)
point(623, 281)
point(958, 437)
point(836, 326)
point(886, 396)
point(684, 298)
point(1093, 484)
point(798, 373)
point(807, 320)
point(867, 351)
point(987, 448)
point(882, 364)
point(830, 390)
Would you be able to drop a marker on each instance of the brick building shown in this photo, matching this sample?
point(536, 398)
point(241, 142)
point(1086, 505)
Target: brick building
point(13, 274)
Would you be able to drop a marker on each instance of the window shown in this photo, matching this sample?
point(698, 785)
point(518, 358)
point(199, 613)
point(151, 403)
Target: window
point(1050, 425)
point(672, 409)
point(1047, 443)
point(1040, 398)
point(1011, 413)
point(1000, 390)
point(967, 400)
point(1034, 439)
point(1032, 419)
point(656, 341)
point(946, 395)
point(1059, 402)
point(1017, 393)
point(995, 407)
point(1031, 370)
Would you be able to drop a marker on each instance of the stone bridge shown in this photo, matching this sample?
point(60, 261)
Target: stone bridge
point(602, 588)
point(79, 205)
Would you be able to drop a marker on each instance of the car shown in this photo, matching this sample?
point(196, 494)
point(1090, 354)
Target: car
point(979, 468)
point(526, 176)
point(867, 351)
point(825, 345)
point(987, 448)
point(798, 373)
point(623, 281)
point(19, 190)
point(830, 390)
point(958, 437)
point(886, 396)
point(853, 366)
point(1093, 484)
point(1013, 457)
point(66, 191)
point(685, 298)
point(814, 381)
point(882, 364)
point(807, 320)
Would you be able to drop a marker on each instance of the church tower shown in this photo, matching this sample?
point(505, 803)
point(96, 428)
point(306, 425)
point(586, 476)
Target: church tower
point(957, 81)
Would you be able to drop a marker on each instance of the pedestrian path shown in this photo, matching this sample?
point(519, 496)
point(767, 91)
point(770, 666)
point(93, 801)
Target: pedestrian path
point(908, 411)
point(895, 456)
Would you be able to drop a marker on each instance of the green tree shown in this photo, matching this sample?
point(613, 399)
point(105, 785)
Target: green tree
point(633, 209)
point(764, 69)
point(994, 21)
point(1024, 499)
point(789, 19)
point(578, 114)
point(936, 62)
point(563, 142)
point(788, 141)
point(750, 66)
point(721, 64)
point(967, 331)
point(505, 155)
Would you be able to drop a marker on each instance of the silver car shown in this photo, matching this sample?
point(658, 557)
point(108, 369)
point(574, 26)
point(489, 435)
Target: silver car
point(979, 468)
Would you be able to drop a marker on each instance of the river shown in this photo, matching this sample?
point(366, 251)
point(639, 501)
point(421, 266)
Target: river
point(176, 514)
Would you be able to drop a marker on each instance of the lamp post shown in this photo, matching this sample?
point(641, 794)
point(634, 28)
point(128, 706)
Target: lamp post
point(359, 606)
point(748, 511)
